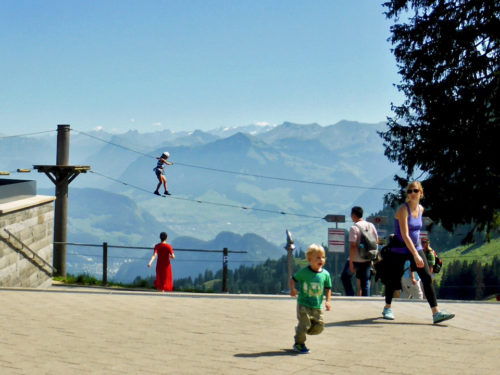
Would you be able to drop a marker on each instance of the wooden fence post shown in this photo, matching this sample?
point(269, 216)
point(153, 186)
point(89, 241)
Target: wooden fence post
point(104, 263)
point(224, 270)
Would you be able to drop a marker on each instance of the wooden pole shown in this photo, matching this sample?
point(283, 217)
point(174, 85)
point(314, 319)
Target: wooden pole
point(224, 269)
point(104, 263)
point(61, 175)
point(290, 262)
point(61, 204)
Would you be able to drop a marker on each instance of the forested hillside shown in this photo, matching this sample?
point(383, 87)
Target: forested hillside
point(270, 277)
point(469, 273)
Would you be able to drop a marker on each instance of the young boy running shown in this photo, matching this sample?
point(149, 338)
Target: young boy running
point(314, 281)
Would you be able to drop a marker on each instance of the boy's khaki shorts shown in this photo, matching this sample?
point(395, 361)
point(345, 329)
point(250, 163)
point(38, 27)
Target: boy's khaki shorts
point(310, 322)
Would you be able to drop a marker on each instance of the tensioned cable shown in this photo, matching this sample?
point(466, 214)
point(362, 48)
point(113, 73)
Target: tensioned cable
point(282, 178)
point(113, 144)
point(150, 248)
point(446, 257)
point(198, 260)
point(137, 258)
point(26, 134)
point(206, 202)
point(176, 259)
point(235, 172)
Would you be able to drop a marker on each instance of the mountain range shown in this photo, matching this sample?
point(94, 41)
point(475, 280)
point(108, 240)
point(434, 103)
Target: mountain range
point(246, 180)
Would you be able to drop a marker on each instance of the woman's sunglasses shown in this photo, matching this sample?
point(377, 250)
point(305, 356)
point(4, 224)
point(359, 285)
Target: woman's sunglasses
point(413, 191)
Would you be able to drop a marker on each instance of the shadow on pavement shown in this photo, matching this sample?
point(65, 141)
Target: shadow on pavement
point(372, 321)
point(277, 353)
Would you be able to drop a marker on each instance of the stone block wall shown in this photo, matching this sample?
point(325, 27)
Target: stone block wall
point(31, 222)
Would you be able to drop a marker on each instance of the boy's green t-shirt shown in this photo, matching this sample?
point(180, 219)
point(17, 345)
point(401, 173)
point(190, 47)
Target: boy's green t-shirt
point(312, 286)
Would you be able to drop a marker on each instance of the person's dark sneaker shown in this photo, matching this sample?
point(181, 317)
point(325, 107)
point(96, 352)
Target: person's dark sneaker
point(157, 193)
point(388, 314)
point(300, 348)
point(441, 316)
point(167, 193)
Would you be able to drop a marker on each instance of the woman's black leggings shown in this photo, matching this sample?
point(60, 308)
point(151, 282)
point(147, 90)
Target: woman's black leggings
point(396, 270)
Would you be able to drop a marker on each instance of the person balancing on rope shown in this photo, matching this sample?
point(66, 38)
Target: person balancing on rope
point(159, 169)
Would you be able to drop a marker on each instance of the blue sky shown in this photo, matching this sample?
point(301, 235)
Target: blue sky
point(184, 65)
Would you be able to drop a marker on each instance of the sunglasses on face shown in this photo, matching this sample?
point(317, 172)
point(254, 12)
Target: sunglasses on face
point(413, 191)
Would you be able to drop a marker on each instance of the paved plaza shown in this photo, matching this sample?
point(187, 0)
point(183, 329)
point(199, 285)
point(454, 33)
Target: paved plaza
point(64, 330)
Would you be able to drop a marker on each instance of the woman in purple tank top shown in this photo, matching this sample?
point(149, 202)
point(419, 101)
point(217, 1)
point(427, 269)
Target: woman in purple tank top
point(407, 225)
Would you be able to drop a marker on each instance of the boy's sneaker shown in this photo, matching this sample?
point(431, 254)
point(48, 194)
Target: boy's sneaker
point(388, 314)
point(156, 192)
point(167, 193)
point(300, 348)
point(441, 316)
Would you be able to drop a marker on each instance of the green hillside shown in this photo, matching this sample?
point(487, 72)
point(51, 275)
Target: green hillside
point(483, 253)
point(470, 272)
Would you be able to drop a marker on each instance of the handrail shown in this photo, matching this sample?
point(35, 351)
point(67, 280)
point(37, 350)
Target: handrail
point(35, 255)
point(147, 248)
point(105, 247)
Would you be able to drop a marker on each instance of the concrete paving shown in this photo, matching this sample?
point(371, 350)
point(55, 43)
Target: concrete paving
point(64, 330)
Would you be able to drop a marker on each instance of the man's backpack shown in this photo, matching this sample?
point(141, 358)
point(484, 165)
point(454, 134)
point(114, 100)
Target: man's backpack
point(438, 264)
point(368, 247)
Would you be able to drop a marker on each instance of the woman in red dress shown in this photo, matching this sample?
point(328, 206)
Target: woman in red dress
point(164, 251)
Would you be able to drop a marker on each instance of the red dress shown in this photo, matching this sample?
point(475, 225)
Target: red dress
point(164, 280)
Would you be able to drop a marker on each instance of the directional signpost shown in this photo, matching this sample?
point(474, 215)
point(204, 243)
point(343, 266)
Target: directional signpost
point(380, 221)
point(334, 218)
point(336, 237)
point(336, 240)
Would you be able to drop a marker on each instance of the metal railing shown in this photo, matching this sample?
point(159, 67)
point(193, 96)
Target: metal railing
point(33, 253)
point(105, 246)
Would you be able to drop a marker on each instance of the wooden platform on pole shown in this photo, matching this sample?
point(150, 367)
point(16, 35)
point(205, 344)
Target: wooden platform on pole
point(61, 175)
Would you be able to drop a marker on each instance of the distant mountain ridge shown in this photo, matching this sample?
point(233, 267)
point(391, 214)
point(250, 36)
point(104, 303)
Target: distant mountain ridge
point(251, 129)
point(346, 154)
point(316, 170)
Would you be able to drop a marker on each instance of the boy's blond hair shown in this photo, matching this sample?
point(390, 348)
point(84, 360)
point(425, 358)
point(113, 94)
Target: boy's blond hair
point(313, 249)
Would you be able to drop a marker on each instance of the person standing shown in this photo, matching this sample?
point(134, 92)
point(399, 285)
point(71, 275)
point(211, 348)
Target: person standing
point(407, 225)
point(346, 278)
point(164, 280)
point(429, 254)
point(356, 265)
point(314, 282)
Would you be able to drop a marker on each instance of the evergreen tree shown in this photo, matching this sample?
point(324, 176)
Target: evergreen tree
point(449, 282)
point(478, 284)
point(448, 54)
point(492, 278)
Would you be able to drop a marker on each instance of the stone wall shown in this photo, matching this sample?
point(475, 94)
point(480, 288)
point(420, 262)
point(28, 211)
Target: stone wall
point(30, 222)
